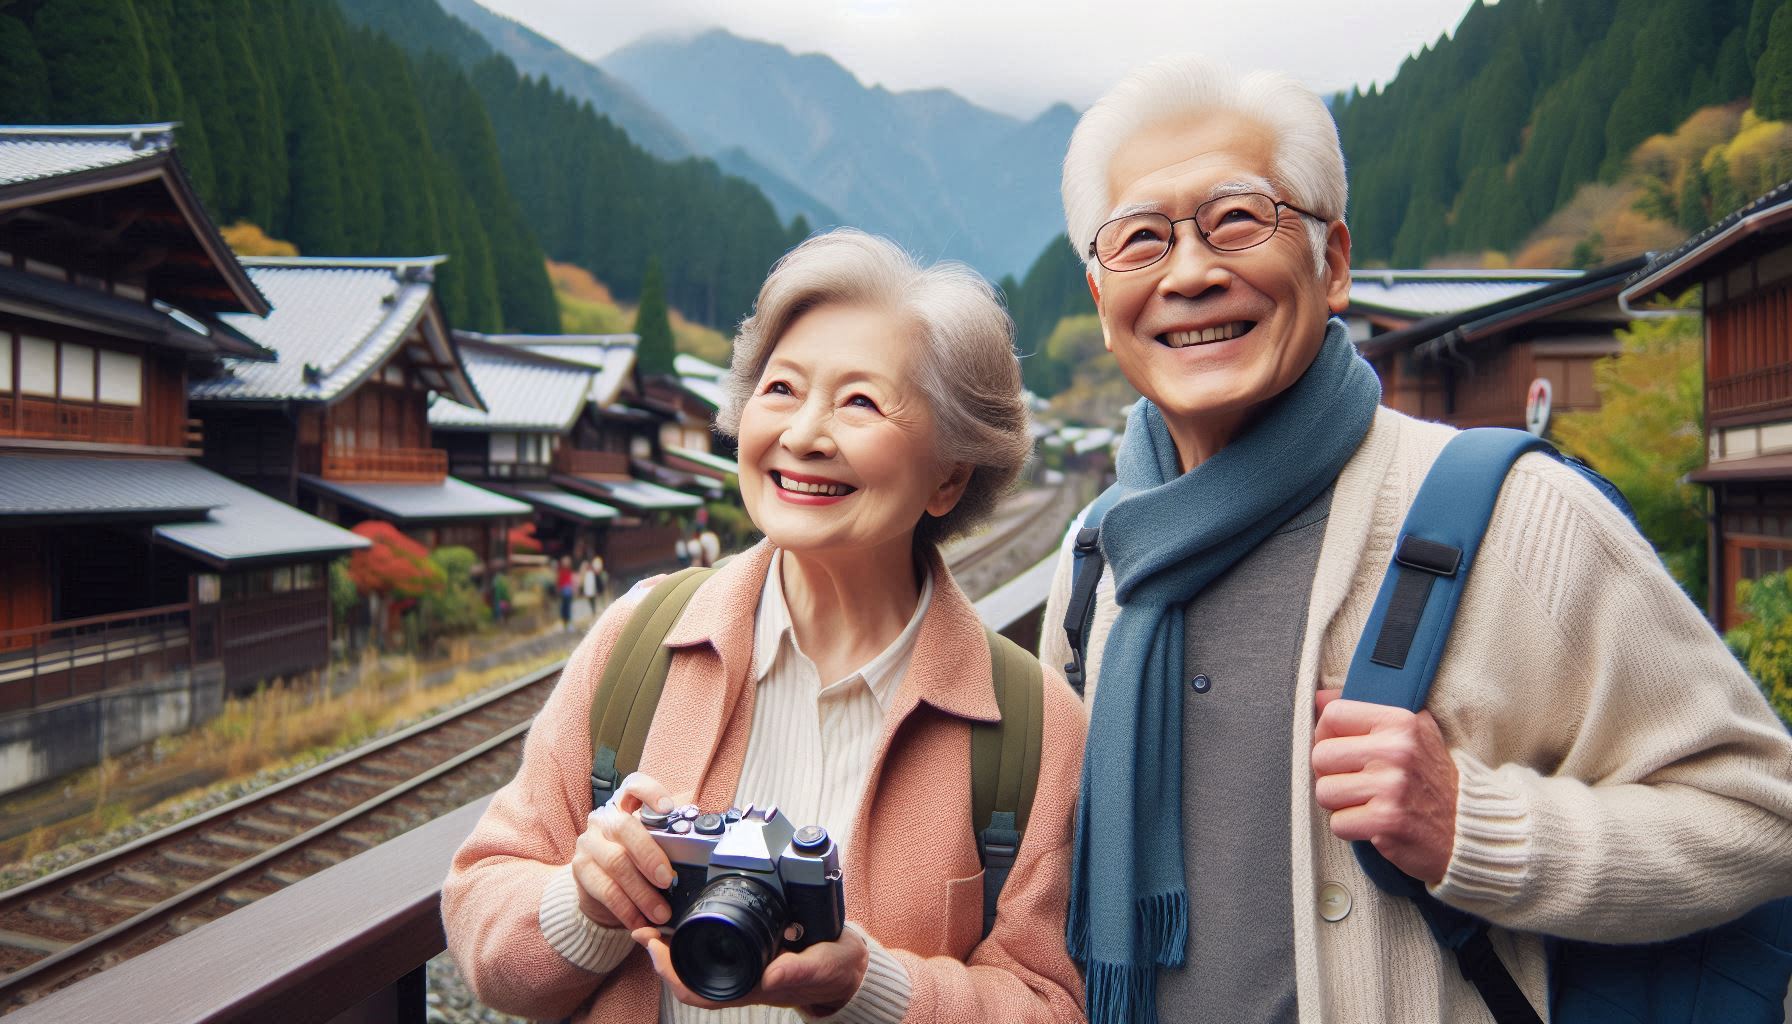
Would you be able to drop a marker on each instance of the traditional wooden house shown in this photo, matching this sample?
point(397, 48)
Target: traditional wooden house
point(616, 451)
point(134, 584)
point(339, 425)
point(1476, 366)
point(533, 402)
point(1743, 266)
point(691, 444)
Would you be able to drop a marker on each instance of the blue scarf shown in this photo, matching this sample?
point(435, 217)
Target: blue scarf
point(1170, 536)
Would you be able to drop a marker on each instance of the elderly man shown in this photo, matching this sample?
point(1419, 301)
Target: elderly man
point(1592, 763)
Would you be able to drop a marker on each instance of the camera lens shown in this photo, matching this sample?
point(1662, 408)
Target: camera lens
point(723, 942)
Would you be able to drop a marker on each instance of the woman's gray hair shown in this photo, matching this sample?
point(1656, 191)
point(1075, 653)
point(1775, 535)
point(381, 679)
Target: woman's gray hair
point(1309, 164)
point(967, 371)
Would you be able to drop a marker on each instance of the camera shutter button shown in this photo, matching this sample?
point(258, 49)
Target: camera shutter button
point(810, 838)
point(709, 825)
point(653, 819)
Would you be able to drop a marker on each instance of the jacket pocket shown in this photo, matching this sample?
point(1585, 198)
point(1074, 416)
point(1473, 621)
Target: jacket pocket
point(963, 917)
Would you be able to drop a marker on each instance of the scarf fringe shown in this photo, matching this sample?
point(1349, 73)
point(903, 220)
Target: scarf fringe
point(1160, 931)
point(1121, 993)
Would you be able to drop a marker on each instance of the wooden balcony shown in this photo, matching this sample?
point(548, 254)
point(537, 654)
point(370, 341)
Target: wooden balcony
point(71, 421)
point(392, 465)
point(580, 462)
point(57, 660)
point(1753, 391)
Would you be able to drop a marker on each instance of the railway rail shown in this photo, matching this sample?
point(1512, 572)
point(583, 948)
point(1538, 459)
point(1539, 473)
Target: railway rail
point(65, 926)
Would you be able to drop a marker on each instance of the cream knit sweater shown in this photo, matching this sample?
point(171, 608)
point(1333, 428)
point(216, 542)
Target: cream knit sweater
point(1622, 779)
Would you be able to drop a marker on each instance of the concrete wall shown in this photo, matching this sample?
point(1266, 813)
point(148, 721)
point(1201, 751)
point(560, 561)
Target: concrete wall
point(49, 742)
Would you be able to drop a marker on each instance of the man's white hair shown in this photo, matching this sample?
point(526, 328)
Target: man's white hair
point(1308, 164)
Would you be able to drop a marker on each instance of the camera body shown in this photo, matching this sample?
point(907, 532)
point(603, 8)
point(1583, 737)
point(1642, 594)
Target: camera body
point(742, 879)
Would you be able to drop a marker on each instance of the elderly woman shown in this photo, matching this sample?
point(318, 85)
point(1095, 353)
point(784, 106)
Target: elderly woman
point(833, 670)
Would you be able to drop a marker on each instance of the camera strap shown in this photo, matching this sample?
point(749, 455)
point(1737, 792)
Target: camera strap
point(1004, 754)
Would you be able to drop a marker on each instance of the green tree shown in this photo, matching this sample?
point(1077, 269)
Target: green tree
point(1646, 436)
point(24, 81)
point(1773, 72)
point(1763, 641)
point(653, 324)
point(98, 67)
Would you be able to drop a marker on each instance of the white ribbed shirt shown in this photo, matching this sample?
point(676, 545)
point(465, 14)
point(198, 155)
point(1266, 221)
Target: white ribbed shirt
point(808, 752)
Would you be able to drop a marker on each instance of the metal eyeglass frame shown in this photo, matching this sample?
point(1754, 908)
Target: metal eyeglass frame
point(1277, 204)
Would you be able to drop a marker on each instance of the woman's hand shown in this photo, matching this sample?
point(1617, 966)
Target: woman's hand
point(619, 868)
point(819, 980)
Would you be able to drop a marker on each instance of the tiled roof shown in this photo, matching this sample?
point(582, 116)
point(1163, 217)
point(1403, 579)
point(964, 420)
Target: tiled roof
point(707, 390)
point(635, 494)
point(1664, 268)
point(566, 503)
point(334, 322)
point(522, 390)
point(612, 355)
point(690, 366)
point(1575, 290)
point(450, 499)
point(31, 152)
point(1422, 293)
point(228, 522)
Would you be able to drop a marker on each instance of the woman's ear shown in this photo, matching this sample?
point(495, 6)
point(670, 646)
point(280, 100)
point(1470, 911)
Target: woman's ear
point(946, 496)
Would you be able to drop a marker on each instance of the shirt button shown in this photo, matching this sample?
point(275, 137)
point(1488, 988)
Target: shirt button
point(1200, 684)
point(1334, 901)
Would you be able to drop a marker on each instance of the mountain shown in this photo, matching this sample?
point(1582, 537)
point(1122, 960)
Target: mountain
point(587, 190)
point(535, 55)
point(789, 200)
point(939, 174)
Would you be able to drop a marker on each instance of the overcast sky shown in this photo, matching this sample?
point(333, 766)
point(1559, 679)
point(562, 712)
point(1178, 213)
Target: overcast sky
point(1019, 57)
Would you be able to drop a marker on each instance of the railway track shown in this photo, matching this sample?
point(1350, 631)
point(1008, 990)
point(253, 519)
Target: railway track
point(78, 921)
point(1019, 517)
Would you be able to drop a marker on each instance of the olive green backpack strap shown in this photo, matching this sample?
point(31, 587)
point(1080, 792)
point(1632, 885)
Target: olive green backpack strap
point(1005, 765)
point(622, 708)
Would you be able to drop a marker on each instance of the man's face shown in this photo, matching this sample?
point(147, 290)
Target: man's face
point(1266, 302)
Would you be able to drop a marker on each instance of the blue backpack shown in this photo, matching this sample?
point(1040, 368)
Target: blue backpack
point(1736, 973)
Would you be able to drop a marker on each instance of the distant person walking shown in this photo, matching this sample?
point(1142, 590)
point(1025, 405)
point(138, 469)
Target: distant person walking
point(563, 586)
point(588, 583)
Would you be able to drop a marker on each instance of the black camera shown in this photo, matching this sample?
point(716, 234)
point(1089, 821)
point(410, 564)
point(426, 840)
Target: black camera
point(744, 878)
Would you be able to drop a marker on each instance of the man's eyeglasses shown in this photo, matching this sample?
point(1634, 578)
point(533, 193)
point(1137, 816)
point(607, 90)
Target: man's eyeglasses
point(1227, 224)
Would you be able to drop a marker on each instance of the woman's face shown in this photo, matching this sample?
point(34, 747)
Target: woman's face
point(837, 445)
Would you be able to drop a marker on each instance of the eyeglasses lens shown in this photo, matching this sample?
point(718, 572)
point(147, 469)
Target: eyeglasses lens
point(1229, 223)
point(1238, 221)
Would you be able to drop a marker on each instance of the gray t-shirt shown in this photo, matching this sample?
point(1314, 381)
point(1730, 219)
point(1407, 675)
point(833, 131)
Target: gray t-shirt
point(1241, 651)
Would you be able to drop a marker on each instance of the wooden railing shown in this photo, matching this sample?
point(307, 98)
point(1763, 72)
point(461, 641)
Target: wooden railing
point(1746, 392)
point(581, 462)
point(405, 465)
point(57, 660)
point(72, 421)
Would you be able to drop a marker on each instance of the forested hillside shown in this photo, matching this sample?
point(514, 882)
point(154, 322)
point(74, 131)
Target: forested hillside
point(1480, 138)
point(316, 131)
point(592, 196)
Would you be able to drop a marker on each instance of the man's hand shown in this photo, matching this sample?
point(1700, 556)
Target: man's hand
point(1387, 777)
point(819, 980)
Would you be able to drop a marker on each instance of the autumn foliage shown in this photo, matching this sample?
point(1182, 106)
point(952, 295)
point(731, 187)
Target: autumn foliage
point(523, 541)
point(395, 565)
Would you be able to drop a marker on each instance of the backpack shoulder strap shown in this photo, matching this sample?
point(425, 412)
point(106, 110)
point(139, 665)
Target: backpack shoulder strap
point(629, 691)
point(1005, 765)
point(1085, 577)
point(1403, 641)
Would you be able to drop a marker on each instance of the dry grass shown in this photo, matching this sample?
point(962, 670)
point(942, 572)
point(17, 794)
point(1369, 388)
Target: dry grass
point(262, 737)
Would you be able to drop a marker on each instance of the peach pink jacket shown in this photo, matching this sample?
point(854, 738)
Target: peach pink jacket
point(912, 876)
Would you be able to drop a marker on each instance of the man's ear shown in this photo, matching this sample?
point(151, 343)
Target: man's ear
point(945, 497)
point(1337, 267)
point(1095, 293)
